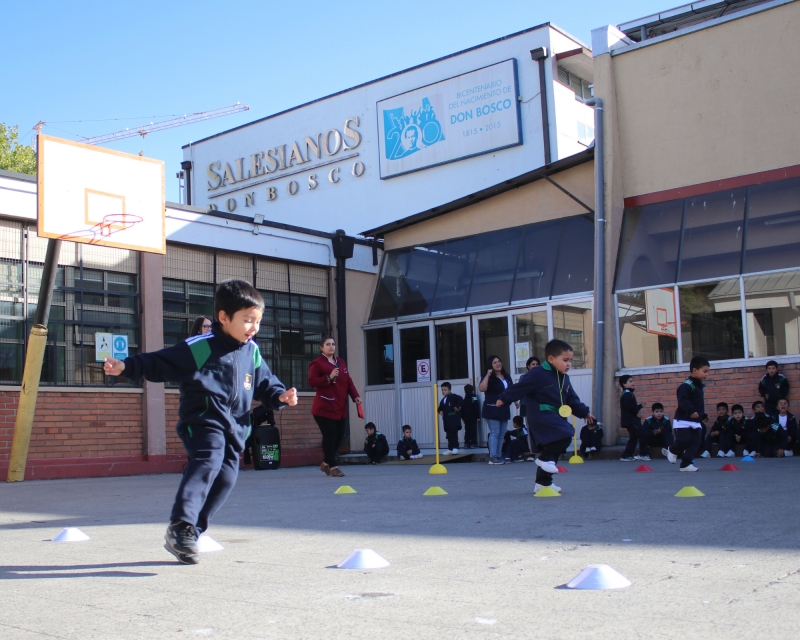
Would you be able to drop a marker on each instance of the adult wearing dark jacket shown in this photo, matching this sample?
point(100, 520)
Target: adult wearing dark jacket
point(495, 382)
point(330, 377)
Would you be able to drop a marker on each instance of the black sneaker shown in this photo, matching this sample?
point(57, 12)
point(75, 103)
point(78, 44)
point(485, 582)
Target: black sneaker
point(181, 540)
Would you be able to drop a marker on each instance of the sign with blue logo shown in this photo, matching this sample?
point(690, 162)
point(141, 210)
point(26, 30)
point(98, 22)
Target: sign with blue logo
point(120, 345)
point(458, 118)
point(108, 345)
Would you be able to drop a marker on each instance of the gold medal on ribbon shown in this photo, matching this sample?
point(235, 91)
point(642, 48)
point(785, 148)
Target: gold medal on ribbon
point(565, 411)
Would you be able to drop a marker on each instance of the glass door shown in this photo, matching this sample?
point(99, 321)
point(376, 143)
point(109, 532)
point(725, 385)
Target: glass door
point(491, 337)
point(452, 359)
point(417, 366)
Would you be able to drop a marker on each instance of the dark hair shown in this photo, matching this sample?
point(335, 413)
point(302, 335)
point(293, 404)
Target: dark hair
point(786, 399)
point(197, 325)
point(623, 380)
point(722, 404)
point(325, 338)
point(762, 421)
point(468, 388)
point(737, 407)
point(235, 295)
point(656, 406)
point(406, 427)
point(532, 359)
point(491, 359)
point(756, 403)
point(518, 420)
point(698, 362)
point(370, 425)
point(771, 363)
point(556, 347)
point(446, 384)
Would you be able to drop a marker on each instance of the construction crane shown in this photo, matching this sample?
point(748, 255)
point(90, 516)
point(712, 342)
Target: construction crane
point(164, 124)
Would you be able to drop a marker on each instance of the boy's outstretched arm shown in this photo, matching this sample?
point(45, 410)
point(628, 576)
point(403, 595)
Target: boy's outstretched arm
point(173, 364)
point(269, 389)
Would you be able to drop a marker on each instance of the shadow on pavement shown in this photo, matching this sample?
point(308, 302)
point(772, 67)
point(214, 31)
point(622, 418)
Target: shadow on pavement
point(38, 572)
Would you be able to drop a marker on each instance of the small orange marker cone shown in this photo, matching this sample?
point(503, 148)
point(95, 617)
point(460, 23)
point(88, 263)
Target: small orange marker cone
point(642, 468)
point(729, 467)
point(562, 469)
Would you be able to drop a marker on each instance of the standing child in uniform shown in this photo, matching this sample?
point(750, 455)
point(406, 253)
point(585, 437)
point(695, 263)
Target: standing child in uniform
point(550, 399)
point(470, 414)
point(789, 423)
point(630, 411)
point(407, 448)
point(773, 387)
point(450, 411)
point(221, 373)
point(689, 417)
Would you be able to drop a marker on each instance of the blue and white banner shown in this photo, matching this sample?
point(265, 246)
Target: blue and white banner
point(461, 117)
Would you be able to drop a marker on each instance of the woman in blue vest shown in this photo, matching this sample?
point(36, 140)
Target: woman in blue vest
point(493, 384)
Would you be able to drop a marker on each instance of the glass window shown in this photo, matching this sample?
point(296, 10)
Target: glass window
point(530, 336)
point(648, 330)
point(493, 341)
point(455, 274)
point(451, 351)
point(711, 320)
point(773, 226)
point(380, 356)
point(494, 268)
point(773, 327)
point(575, 265)
point(415, 344)
point(390, 285)
point(648, 249)
point(712, 236)
point(420, 285)
point(572, 323)
point(537, 261)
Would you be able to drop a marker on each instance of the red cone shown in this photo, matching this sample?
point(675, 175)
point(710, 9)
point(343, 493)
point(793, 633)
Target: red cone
point(642, 468)
point(730, 467)
point(561, 469)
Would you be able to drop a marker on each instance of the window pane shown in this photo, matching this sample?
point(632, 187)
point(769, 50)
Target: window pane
point(773, 226)
point(455, 274)
point(648, 249)
point(380, 356)
point(575, 267)
point(711, 320)
point(773, 328)
point(90, 279)
point(493, 342)
point(121, 282)
point(712, 237)
point(11, 362)
point(172, 288)
point(648, 331)
point(415, 344)
point(423, 270)
point(390, 287)
point(537, 261)
point(530, 336)
point(573, 324)
point(312, 304)
point(494, 269)
point(451, 351)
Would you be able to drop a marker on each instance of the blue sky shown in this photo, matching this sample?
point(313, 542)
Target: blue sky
point(104, 60)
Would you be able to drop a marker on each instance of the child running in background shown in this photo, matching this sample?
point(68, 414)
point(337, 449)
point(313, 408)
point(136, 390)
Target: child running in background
point(470, 414)
point(630, 411)
point(591, 440)
point(658, 428)
point(375, 444)
point(221, 373)
point(515, 442)
point(788, 422)
point(773, 387)
point(550, 399)
point(450, 410)
point(407, 448)
point(689, 416)
point(721, 434)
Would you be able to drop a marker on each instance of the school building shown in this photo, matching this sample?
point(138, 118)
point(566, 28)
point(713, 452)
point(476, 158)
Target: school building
point(467, 192)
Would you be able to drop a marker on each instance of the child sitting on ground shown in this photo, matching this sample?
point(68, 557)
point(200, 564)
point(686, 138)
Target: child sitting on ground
point(789, 423)
point(770, 437)
point(407, 448)
point(721, 434)
point(375, 444)
point(773, 387)
point(751, 431)
point(591, 440)
point(658, 428)
point(515, 442)
point(739, 427)
point(689, 417)
point(450, 410)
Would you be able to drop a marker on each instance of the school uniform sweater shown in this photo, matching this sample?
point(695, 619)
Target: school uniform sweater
point(773, 388)
point(404, 445)
point(470, 408)
point(629, 409)
point(691, 400)
point(450, 408)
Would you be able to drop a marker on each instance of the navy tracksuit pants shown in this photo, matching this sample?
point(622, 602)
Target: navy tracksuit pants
point(686, 443)
point(208, 478)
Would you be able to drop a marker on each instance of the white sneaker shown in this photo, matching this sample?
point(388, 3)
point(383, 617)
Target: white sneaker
point(720, 454)
point(416, 457)
point(745, 453)
point(546, 465)
point(670, 456)
point(638, 457)
point(691, 467)
point(454, 451)
point(788, 453)
point(730, 454)
point(705, 454)
point(538, 487)
point(447, 453)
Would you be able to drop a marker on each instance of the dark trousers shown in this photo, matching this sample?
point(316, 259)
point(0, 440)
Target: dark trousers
point(687, 442)
point(550, 452)
point(663, 439)
point(725, 441)
point(594, 439)
point(452, 438)
point(332, 434)
point(208, 478)
point(769, 450)
point(470, 433)
point(515, 448)
point(634, 433)
point(372, 453)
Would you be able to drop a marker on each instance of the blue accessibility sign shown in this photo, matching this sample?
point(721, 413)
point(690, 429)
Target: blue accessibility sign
point(120, 344)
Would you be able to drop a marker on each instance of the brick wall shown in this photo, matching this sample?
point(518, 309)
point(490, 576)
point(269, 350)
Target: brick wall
point(76, 425)
point(171, 403)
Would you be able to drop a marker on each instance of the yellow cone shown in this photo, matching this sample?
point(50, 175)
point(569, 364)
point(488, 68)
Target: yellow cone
point(689, 492)
point(437, 470)
point(345, 488)
point(547, 492)
point(435, 491)
point(576, 459)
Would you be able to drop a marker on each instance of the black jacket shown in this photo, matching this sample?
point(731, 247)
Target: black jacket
point(651, 424)
point(691, 400)
point(773, 388)
point(629, 409)
point(470, 408)
point(740, 428)
point(723, 425)
point(450, 408)
point(791, 426)
point(591, 437)
point(219, 379)
point(380, 442)
point(775, 436)
point(494, 388)
point(404, 445)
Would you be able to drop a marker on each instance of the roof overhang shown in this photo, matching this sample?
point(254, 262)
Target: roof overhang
point(577, 61)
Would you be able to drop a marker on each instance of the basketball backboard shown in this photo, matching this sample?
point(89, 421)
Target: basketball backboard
point(660, 312)
point(100, 196)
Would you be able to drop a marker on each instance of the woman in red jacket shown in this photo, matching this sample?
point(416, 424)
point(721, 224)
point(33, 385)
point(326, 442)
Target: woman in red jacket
point(329, 376)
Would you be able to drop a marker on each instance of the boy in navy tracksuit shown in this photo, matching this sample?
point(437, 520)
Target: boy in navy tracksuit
point(687, 427)
point(789, 423)
point(773, 387)
point(515, 442)
point(751, 429)
point(658, 428)
point(220, 374)
point(375, 444)
point(591, 440)
point(470, 414)
point(770, 437)
point(407, 448)
point(450, 410)
point(739, 427)
point(629, 411)
point(721, 433)
point(548, 395)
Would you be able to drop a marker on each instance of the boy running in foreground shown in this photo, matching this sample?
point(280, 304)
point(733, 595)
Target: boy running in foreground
point(221, 373)
point(549, 400)
point(690, 415)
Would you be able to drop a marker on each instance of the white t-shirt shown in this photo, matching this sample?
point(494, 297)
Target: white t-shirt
point(783, 420)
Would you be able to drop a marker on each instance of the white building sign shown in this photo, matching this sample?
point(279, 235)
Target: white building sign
point(461, 117)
